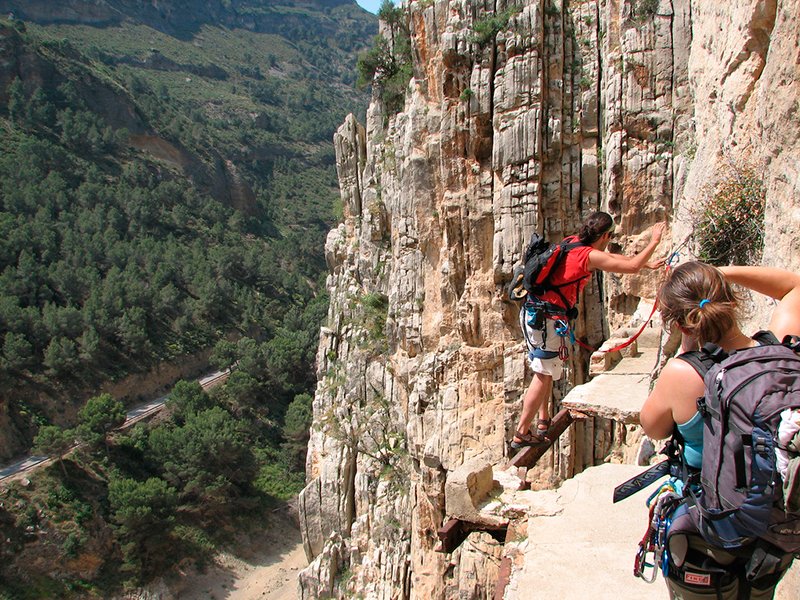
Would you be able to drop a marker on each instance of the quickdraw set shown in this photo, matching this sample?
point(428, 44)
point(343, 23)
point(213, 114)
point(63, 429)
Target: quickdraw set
point(653, 553)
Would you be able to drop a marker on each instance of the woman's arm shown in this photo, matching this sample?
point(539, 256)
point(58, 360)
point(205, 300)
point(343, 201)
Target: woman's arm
point(673, 399)
point(777, 283)
point(617, 263)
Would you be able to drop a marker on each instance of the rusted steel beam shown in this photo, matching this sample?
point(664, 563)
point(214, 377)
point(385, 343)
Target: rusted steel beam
point(503, 577)
point(451, 534)
point(455, 531)
point(507, 562)
point(528, 456)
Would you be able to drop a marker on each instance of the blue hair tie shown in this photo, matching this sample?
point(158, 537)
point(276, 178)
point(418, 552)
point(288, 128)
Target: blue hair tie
point(704, 301)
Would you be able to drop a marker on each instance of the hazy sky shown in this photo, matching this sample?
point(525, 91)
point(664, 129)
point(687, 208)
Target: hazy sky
point(370, 5)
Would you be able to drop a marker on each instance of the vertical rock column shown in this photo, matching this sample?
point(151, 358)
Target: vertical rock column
point(638, 79)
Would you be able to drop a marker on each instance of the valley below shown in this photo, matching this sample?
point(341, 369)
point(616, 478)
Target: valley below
point(264, 566)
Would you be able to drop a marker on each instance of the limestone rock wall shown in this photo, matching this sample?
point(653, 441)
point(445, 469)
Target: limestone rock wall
point(744, 72)
point(621, 105)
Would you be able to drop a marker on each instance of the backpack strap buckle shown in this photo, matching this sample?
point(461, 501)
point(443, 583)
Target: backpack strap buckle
point(702, 407)
point(792, 342)
point(716, 353)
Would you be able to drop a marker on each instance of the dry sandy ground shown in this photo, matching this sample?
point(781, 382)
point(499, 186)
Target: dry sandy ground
point(265, 567)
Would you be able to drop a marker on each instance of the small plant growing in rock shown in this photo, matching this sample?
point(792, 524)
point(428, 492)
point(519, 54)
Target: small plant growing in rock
point(387, 64)
point(645, 10)
point(730, 228)
point(376, 307)
point(334, 378)
point(485, 29)
point(373, 428)
point(466, 95)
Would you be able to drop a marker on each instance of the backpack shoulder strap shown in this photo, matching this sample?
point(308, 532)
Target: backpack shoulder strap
point(573, 241)
point(566, 245)
point(766, 338)
point(700, 360)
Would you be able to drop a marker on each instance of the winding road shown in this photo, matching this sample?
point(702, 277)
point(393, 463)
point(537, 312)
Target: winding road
point(143, 411)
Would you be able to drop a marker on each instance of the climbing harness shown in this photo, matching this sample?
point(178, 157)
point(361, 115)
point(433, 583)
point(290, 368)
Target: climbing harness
point(534, 315)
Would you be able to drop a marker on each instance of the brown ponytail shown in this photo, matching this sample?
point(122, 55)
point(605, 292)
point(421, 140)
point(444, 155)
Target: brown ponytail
point(595, 225)
point(699, 299)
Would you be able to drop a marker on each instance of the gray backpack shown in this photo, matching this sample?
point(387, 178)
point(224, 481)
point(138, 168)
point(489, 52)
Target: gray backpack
point(740, 497)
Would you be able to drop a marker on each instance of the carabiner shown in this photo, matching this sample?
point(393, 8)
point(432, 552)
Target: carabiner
point(672, 259)
point(563, 350)
point(641, 563)
point(561, 328)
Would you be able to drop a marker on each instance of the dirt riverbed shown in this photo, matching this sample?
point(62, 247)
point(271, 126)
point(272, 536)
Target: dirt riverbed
point(263, 567)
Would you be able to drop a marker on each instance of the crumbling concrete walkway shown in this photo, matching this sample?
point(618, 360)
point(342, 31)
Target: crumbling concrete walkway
point(580, 545)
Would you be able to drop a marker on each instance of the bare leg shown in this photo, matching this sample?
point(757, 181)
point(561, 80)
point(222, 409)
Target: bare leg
point(538, 393)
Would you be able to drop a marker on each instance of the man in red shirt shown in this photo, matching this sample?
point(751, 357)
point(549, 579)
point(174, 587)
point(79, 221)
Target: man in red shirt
point(540, 316)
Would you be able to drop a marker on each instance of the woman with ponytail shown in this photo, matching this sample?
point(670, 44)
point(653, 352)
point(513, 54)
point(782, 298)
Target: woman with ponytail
point(538, 325)
point(699, 300)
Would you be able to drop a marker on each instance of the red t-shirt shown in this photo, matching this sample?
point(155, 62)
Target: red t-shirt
point(574, 266)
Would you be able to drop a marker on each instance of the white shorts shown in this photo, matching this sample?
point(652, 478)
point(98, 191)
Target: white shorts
point(549, 340)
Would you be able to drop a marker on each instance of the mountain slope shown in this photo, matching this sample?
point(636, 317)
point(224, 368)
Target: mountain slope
point(167, 177)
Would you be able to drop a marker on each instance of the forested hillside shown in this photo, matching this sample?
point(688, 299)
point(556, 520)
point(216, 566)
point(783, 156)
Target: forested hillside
point(167, 177)
point(167, 180)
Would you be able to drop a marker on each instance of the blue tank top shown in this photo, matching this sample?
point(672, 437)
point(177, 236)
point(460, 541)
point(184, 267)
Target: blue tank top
point(692, 432)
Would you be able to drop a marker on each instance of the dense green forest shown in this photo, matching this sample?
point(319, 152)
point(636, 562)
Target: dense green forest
point(112, 257)
point(166, 184)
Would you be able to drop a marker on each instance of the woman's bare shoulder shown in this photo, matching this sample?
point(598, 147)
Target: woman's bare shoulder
point(681, 378)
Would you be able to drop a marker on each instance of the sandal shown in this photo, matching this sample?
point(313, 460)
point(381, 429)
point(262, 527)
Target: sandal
point(543, 426)
point(521, 440)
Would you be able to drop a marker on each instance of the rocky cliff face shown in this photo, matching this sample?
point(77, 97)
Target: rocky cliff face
point(628, 106)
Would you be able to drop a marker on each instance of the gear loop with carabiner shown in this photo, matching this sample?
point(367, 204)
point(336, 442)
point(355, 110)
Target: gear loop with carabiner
point(562, 330)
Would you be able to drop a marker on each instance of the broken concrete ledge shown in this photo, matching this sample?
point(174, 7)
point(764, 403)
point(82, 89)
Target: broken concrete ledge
point(467, 491)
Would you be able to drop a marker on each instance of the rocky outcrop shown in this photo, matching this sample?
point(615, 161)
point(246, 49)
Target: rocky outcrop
point(570, 108)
